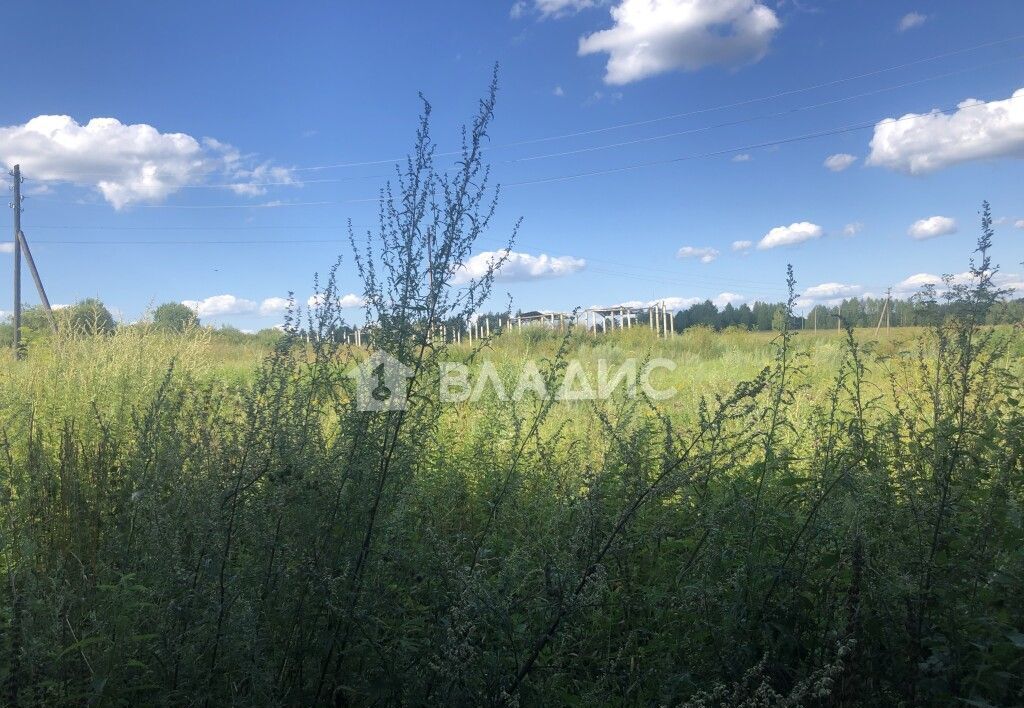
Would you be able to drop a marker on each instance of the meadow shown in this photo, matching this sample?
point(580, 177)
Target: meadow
point(819, 519)
point(815, 519)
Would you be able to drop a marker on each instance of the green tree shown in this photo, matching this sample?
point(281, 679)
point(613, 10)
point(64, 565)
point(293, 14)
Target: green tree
point(91, 316)
point(174, 317)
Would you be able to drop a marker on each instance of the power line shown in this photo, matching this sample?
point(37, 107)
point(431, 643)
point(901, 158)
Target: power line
point(691, 278)
point(744, 148)
point(698, 278)
point(249, 227)
point(763, 116)
point(671, 281)
point(773, 96)
point(529, 158)
point(761, 99)
point(688, 114)
point(185, 242)
point(593, 173)
point(266, 205)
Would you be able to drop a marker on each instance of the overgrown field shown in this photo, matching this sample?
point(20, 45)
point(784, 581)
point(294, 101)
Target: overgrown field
point(823, 518)
point(812, 519)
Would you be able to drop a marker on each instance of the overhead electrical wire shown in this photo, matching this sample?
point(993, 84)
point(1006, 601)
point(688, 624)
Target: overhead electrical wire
point(625, 143)
point(604, 171)
point(762, 116)
point(648, 121)
point(688, 114)
point(700, 278)
point(748, 147)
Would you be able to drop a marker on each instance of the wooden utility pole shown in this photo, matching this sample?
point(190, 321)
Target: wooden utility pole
point(16, 205)
point(884, 313)
point(30, 262)
point(889, 299)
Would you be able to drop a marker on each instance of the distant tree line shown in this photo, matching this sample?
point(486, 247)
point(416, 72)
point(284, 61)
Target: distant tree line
point(91, 316)
point(858, 312)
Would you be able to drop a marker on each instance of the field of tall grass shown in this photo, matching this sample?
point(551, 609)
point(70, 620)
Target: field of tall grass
point(815, 519)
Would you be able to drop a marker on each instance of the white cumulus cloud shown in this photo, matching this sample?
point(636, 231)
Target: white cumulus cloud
point(911, 20)
point(828, 294)
point(840, 161)
point(651, 37)
point(1018, 224)
point(706, 254)
point(218, 305)
point(675, 303)
point(742, 246)
point(349, 301)
point(126, 163)
point(273, 306)
point(797, 232)
point(742, 157)
point(672, 303)
point(726, 298)
point(518, 266)
point(914, 283)
point(6, 246)
point(922, 143)
point(931, 227)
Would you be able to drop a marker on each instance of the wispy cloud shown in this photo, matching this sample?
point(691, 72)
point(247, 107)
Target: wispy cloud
point(705, 254)
point(911, 20)
point(546, 9)
point(840, 161)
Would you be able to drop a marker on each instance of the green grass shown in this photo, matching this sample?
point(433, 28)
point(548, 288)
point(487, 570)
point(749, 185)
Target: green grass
point(187, 520)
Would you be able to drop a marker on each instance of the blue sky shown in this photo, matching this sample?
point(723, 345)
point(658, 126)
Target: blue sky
point(251, 95)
